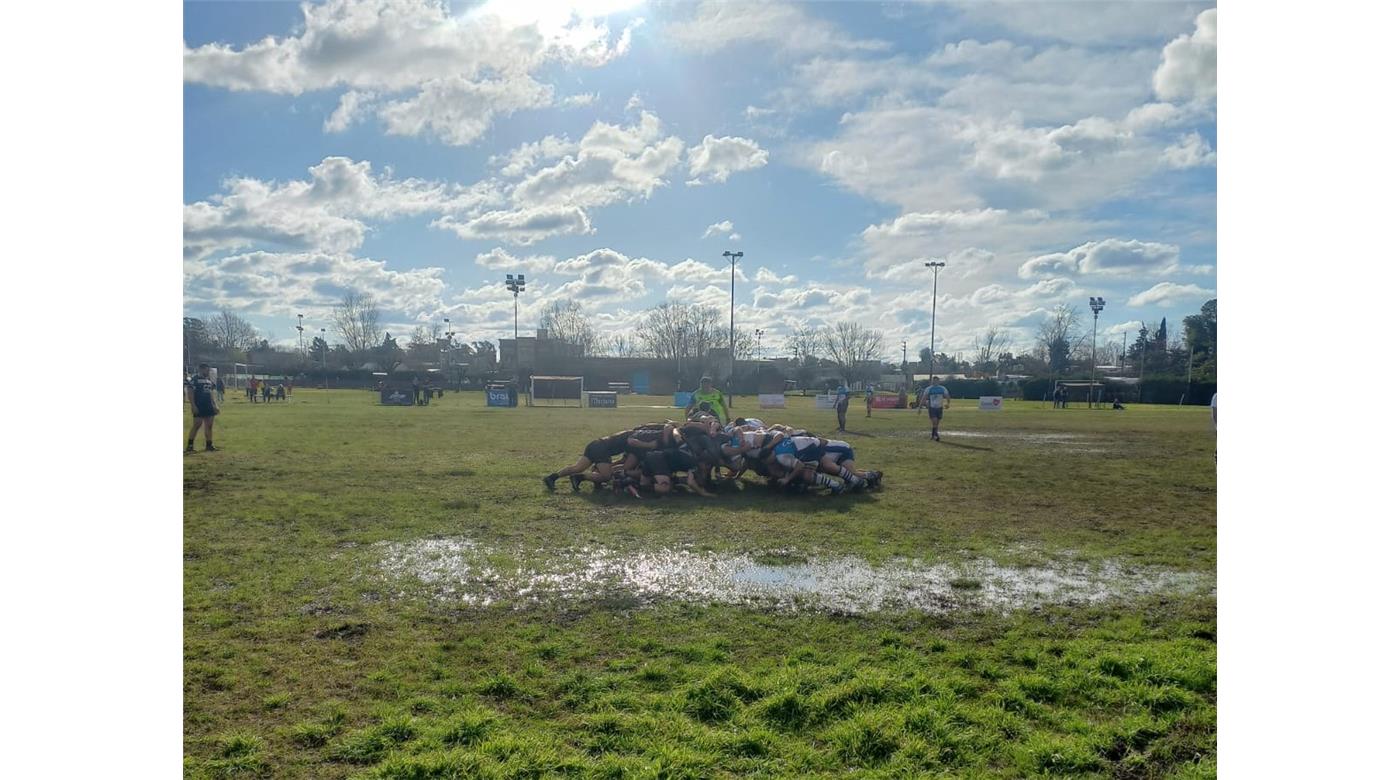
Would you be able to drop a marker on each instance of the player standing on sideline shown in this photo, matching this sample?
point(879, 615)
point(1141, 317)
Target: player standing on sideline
point(843, 402)
point(219, 386)
point(202, 405)
point(869, 400)
point(707, 394)
point(935, 397)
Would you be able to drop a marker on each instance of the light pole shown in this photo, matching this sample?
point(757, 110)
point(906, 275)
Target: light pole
point(733, 258)
point(933, 318)
point(516, 284)
point(301, 344)
point(325, 382)
point(904, 360)
point(1097, 305)
point(758, 334)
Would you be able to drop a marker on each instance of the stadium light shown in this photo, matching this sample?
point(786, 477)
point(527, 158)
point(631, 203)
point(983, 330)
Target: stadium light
point(758, 333)
point(325, 382)
point(733, 258)
point(1097, 305)
point(904, 360)
point(516, 284)
point(933, 318)
point(301, 344)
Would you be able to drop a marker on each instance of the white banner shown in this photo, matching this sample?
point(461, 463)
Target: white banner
point(772, 401)
point(989, 403)
point(826, 401)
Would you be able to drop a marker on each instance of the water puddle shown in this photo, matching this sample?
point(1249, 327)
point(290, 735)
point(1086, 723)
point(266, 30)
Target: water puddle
point(460, 571)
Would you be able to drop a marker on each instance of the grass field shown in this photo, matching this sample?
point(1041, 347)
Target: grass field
point(390, 592)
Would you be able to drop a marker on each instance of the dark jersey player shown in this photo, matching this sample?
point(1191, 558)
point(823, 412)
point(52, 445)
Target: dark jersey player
point(202, 392)
point(598, 456)
point(660, 466)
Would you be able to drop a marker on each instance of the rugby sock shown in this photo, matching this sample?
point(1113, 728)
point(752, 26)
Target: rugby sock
point(848, 476)
point(826, 481)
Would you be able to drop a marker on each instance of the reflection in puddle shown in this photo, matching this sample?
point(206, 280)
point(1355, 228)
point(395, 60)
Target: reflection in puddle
point(462, 571)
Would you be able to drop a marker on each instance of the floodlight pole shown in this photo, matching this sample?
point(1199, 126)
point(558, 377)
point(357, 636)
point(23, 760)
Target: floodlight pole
point(516, 284)
point(301, 344)
point(733, 258)
point(933, 317)
point(1097, 305)
point(325, 381)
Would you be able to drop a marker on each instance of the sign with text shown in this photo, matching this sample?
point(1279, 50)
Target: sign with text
point(498, 398)
point(885, 402)
point(826, 401)
point(772, 401)
point(602, 400)
point(989, 403)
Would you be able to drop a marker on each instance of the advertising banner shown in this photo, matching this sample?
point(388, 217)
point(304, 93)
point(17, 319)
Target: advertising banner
point(602, 400)
point(989, 403)
point(772, 401)
point(498, 398)
point(826, 401)
point(681, 400)
point(885, 402)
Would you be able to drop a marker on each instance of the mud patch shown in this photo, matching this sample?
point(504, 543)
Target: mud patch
point(344, 631)
point(461, 571)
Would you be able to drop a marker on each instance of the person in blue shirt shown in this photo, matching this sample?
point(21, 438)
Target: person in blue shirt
point(935, 398)
point(843, 402)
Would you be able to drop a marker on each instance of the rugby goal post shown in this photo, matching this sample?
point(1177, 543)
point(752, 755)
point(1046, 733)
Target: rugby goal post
point(556, 391)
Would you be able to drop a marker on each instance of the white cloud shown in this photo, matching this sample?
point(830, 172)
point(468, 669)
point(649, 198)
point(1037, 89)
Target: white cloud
point(1111, 256)
point(1187, 71)
point(460, 70)
point(611, 164)
point(714, 159)
point(719, 229)
point(581, 99)
point(1189, 151)
point(1165, 294)
point(1112, 23)
point(499, 259)
point(326, 212)
point(458, 111)
point(781, 27)
point(634, 103)
point(352, 108)
point(521, 226)
point(525, 157)
point(765, 276)
point(285, 284)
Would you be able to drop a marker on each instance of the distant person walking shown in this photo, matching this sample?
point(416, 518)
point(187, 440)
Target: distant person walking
point(266, 392)
point(935, 398)
point(219, 386)
point(417, 393)
point(843, 402)
point(252, 391)
point(869, 400)
point(710, 399)
point(281, 392)
point(201, 392)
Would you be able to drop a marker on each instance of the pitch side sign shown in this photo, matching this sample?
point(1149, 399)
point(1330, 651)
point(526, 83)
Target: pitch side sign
point(601, 400)
point(396, 396)
point(989, 403)
point(771, 401)
point(498, 398)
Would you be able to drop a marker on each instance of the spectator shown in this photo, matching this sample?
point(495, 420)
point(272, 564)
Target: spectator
point(266, 391)
point(219, 386)
point(281, 392)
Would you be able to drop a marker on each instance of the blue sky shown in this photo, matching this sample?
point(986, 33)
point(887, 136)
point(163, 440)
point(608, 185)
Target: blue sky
point(418, 151)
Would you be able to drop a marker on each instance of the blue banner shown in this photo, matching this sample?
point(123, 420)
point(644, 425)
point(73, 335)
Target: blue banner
point(498, 398)
point(682, 400)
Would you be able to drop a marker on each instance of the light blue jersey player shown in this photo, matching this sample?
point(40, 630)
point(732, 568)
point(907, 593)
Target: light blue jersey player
point(935, 398)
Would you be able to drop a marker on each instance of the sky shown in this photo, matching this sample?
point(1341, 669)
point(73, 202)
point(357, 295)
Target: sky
point(612, 150)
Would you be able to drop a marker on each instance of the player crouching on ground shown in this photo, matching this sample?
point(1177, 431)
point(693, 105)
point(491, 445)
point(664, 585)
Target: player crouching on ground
point(660, 467)
point(598, 456)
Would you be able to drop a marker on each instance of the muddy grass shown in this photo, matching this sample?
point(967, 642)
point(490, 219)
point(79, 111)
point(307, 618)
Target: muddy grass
point(461, 571)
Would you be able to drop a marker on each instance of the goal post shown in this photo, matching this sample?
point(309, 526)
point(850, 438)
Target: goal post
point(556, 391)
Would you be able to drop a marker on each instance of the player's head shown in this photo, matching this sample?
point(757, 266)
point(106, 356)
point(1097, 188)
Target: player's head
point(204, 369)
point(706, 383)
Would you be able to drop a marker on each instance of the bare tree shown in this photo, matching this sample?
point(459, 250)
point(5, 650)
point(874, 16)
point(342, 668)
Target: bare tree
point(990, 348)
point(745, 345)
point(357, 319)
point(623, 345)
point(804, 342)
point(1059, 336)
point(565, 321)
point(851, 346)
point(230, 331)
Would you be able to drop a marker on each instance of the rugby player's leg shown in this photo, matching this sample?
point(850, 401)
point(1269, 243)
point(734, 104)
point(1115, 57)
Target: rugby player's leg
point(581, 465)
